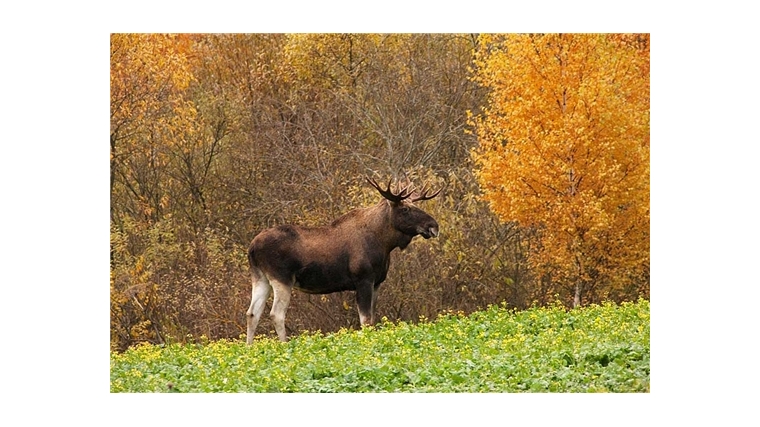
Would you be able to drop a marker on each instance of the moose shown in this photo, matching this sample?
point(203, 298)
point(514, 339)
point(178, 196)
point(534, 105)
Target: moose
point(350, 254)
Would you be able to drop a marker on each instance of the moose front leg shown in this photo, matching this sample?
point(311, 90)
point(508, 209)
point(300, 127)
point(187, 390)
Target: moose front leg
point(365, 303)
point(374, 305)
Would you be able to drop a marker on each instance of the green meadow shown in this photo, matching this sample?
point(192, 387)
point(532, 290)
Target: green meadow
point(598, 348)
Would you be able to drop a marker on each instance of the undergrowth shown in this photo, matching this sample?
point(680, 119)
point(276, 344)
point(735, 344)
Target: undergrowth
point(599, 348)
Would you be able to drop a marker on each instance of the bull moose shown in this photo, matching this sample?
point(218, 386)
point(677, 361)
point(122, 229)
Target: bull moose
point(350, 254)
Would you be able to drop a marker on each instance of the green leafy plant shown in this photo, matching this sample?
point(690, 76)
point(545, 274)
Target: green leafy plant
point(599, 348)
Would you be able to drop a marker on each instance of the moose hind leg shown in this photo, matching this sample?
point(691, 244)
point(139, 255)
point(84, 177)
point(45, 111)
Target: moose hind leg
point(279, 307)
point(259, 295)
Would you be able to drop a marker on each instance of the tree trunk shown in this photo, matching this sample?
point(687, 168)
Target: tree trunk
point(577, 298)
point(579, 281)
point(113, 172)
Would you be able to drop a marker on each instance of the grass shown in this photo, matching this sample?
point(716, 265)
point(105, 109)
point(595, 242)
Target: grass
point(599, 348)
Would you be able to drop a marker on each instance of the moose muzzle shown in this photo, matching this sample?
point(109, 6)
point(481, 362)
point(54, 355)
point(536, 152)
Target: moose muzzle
point(428, 232)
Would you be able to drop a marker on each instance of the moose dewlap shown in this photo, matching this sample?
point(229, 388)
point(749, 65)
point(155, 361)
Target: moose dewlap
point(350, 254)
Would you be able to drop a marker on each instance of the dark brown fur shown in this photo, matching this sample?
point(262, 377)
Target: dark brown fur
point(350, 254)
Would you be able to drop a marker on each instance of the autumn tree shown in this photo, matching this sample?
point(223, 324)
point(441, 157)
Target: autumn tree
point(564, 151)
point(149, 113)
point(168, 130)
point(395, 104)
point(215, 137)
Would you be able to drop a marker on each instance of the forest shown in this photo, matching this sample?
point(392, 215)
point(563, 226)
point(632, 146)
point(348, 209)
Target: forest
point(539, 141)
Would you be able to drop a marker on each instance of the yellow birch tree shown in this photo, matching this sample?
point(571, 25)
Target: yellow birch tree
point(564, 149)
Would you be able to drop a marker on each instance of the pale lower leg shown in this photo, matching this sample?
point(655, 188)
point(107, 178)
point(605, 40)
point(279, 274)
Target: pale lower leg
point(279, 307)
point(259, 295)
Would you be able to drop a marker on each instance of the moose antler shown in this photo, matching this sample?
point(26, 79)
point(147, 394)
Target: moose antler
point(423, 194)
point(397, 197)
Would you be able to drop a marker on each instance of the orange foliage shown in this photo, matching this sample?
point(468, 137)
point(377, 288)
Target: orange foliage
point(147, 70)
point(564, 148)
point(150, 113)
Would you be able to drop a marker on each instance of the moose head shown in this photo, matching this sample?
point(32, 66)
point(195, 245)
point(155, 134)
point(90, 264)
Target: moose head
point(405, 216)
